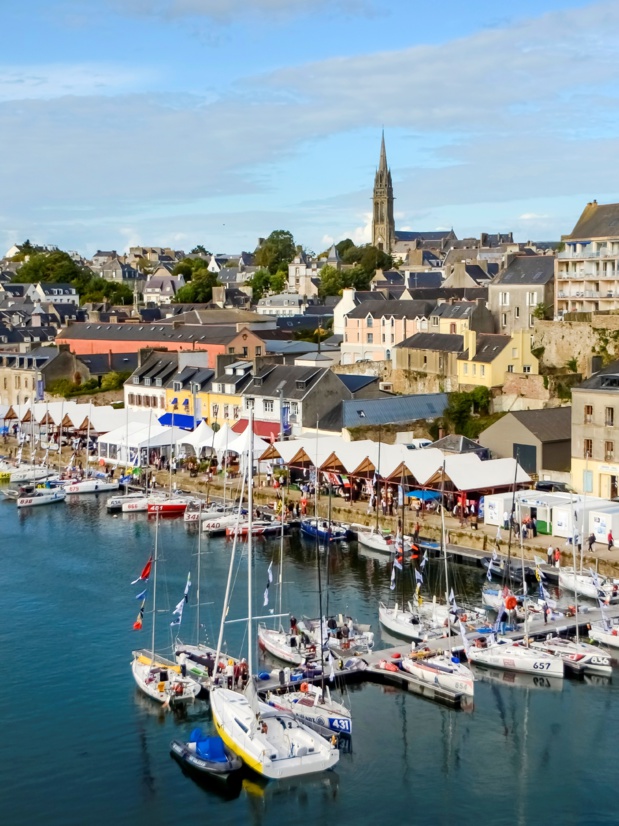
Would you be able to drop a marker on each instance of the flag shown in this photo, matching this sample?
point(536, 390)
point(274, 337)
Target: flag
point(397, 563)
point(137, 625)
point(418, 577)
point(452, 598)
point(495, 555)
point(400, 495)
point(179, 608)
point(331, 667)
point(392, 583)
point(145, 573)
point(266, 597)
point(141, 595)
point(465, 641)
point(424, 560)
point(270, 571)
point(269, 581)
point(489, 574)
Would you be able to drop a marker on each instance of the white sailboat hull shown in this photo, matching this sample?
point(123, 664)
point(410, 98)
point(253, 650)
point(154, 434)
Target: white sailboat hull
point(326, 716)
point(581, 655)
point(43, 498)
point(174, 690)
point(278, 645)
point(91, 486)
point(29, 473)
point(402, 623)
point(603, 636)
point(441, 671)
point(376, 541)
point(115, 503)
point(511, 657)
point(219, 523)
point(287, 749)
point(582, 584)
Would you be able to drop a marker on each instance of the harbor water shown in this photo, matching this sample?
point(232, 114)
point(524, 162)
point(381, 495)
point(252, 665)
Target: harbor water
point(80, 745)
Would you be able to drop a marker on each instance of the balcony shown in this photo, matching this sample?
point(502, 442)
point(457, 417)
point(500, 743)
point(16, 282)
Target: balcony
point(568, 254)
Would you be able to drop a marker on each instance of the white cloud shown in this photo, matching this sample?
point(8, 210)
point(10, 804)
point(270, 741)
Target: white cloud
point(45, 81)
point(225, 11)
point(363, 234)
point(531, 216)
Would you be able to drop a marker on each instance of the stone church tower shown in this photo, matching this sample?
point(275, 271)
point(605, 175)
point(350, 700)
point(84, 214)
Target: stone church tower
point(383, 225)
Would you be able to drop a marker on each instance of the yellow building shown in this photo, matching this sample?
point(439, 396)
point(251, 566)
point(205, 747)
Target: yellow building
point(487, 357)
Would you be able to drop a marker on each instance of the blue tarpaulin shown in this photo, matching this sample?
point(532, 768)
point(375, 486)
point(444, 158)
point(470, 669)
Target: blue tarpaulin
point(424, 495)
point(181, 420)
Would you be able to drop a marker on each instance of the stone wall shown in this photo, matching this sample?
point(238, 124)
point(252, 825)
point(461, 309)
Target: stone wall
point(524, 391)
point(565, 340)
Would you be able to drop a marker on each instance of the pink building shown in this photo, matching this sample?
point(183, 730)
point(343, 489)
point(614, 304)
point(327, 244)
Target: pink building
point(372, 329)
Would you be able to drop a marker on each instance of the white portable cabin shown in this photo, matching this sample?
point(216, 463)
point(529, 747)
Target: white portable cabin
point(495, 506)
point(603, 520)
point(570, 517)
point(539, 504)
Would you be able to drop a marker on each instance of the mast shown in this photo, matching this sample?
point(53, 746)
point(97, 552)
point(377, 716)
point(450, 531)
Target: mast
point(199, 560)
point(88, 434)
point(572, 521)
point(60, 434)
point(524, 580)
point(444, 546)
point(322, 680)
point(507, 570)
point(377, 480)
point(152, 640)
point(329, 545)
point(171, 451)
point(224, 462)
point(402, 537)
point(250, 508)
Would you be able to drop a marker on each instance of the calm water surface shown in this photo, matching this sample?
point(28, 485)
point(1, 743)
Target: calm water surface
point(80, 746)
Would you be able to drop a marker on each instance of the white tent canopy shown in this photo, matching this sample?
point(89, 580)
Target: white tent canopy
point(201, 438)
point(224, 438)
point(122, 446)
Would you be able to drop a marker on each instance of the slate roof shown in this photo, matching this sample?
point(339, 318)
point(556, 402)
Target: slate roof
point(444, 293)
point(51, 288)
point(461, 309)
point(146, 332)
point(99, 363)
point(423, 280)
point(394, 410)
point(444, 342)
point(489, 345)
point(397, 309)
point(272, 379)
point(596, 221)
point(355, 383)
point(438, 235)
point(528, 269)
point(595, 382)
point(553, 424)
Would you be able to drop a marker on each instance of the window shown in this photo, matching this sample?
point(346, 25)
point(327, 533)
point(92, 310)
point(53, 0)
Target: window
point(465, 369)
point(249, 403)
point(588, 413)
point(532, 299)
point(510, 368)
point(474, 369)
point(370, 321)
point(215, 410)
point(162, 402)
point(226, 411)
point(245, 351)
point(136, 379)
point(17, 382)
point(425, 361)
point(131, 397)
point(517, 312)
point(258, 351)
point(146, 382)
point(236, 411)
point(294, 408)
point(609, 451)
point(503, 319)
point(384, 338)
point(392, 338)
point(383, 322)
point(158, 383)
point(587, 448)
point(231, 350)
point(526, 368)
point(435, 321)
point(25, 384)
point(482, 370)
point(504, 299)
point(609, 418)
point(452, 328)
point(514, 352)
point(177, 386)
point(267, 405)
point(393, 322)
point(370, 338)
point(531, 320)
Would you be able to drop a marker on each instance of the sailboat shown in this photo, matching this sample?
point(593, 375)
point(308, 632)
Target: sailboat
point(157, 677)
point(442, 669)
point(271, 742)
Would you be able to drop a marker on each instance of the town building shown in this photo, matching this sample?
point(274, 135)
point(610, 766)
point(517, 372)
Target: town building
point(487, 358)
point(595, 440)
point(587, 268)
point(454, 317)
point(540, 440)
point(522, 292)
point(24, 376)
point(431, 357)
point(374, 328)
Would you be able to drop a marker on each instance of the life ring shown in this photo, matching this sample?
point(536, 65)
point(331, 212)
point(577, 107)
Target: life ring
point(178, 688)
point(614, 632)
point(511, 602)
point(345, 643)
point(304, 688)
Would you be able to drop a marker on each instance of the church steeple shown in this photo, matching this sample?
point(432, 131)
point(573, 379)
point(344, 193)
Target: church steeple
point(383, 225)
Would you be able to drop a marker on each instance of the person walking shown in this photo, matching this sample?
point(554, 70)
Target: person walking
point(611, 540)
point(534, 526)
point(557, 558)
point(550, 554)
point(591, 541)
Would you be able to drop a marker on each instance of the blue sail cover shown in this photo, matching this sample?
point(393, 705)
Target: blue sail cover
point(212, 749)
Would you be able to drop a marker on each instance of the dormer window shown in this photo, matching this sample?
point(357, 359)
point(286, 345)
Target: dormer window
point(158, 382)
point(300, 385)
point(370, 321)
point(136, 379)
point(177, 386)
point(258, 381)
point(146, 382)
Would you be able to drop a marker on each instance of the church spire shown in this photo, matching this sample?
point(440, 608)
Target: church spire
point(383, 227)
point(382, 165)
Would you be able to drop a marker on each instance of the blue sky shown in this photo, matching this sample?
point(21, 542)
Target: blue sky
point(216, 121)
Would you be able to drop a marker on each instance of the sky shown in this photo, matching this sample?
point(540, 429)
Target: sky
point(184, 122)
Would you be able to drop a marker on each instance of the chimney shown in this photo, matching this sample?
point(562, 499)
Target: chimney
point(109, 360)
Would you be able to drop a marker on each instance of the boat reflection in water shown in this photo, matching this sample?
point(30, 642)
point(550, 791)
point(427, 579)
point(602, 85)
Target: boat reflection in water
point(517, 678)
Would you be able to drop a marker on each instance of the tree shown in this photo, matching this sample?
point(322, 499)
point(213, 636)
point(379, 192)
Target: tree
point(260, 283)
point(374, 259)
point(277, 249)
point(200, 288)
point(199, 249)
point(114, 380)
point(57, 267)
point(183, 268)
point(331, 281)
point(279, 282)
point(343, 246)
